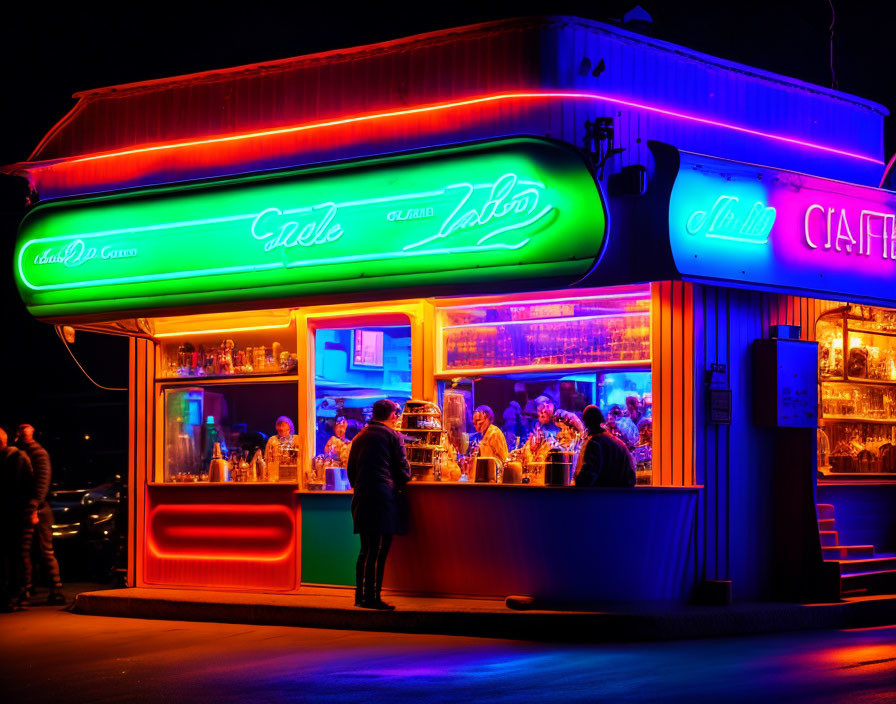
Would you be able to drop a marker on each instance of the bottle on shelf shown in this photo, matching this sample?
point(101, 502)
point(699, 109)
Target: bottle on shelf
point(219, 468)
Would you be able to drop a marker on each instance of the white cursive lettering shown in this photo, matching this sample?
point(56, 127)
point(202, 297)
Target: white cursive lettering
point(270, 227)
point(492, 204)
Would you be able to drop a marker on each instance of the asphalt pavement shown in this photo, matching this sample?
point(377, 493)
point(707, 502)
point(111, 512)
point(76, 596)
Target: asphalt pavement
point(48, 654)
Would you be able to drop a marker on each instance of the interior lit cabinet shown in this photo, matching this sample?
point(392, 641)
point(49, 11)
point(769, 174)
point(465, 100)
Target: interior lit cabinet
point(857, 390)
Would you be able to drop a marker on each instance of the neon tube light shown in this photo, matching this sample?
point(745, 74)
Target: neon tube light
point(538, 321)
point(535, 95)
point(219, 330)
point(497, 304)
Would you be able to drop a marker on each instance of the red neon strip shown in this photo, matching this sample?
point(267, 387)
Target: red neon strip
point(464, 103)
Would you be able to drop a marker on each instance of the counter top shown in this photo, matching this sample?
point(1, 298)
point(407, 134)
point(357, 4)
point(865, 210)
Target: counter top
point(441, 485)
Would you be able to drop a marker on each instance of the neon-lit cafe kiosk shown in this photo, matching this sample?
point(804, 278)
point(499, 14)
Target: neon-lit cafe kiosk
point(484, 216)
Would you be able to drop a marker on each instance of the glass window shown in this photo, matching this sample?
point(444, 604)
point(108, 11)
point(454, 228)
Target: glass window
point(604, 329)
point(233, 423)
point(353, 368)
point(536, 364)
point(246, 345)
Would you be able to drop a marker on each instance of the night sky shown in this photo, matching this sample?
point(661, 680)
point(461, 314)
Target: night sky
point(50, 53)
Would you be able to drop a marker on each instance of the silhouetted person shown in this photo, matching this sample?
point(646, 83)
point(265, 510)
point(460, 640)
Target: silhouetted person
point(378, 471)
point(16, 512)
point(40, 463)
point(604, 459)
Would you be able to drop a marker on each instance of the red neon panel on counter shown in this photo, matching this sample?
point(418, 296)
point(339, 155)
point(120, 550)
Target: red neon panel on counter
point(201, 537)
point(255, 533)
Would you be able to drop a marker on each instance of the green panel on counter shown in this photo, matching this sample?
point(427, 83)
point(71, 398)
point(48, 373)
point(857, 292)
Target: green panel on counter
point(329, 547)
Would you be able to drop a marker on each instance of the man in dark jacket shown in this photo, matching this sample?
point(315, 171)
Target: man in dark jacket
point(378, 471)
point(604, 460)
point(40, 463)
point(15, 514)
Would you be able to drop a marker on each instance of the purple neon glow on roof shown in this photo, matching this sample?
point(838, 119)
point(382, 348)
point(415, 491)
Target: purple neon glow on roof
point(468, 102)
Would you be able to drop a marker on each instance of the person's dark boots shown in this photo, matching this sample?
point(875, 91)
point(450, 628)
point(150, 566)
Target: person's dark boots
point(359, 595)
point(55, 597)
point(378, 604)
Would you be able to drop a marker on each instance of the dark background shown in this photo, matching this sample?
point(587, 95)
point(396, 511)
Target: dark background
point(48, 53)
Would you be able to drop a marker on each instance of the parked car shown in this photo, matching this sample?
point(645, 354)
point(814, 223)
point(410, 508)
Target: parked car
point(86, 530)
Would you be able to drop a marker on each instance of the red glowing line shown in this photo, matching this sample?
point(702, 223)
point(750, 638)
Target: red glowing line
point(223, 532)
point(156, 552)
point(464, 103)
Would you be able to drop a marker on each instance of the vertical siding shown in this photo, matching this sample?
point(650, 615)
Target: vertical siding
point(142, 421)
point(735, 537)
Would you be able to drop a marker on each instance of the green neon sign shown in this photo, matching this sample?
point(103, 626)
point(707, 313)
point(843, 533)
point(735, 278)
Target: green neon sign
point(513, 209)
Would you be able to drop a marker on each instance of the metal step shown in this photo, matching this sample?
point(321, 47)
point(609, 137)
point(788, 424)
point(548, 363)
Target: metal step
point(824, 510)
point(879, 563)
point(846, 551)
point(826, 524)
point(829, 538)
point(874, 582)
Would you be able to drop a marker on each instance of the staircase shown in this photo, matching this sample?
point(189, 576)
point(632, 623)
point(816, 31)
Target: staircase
point(861, 570)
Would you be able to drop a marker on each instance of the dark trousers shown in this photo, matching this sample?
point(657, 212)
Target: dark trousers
point(370, 566)
point(44, 530)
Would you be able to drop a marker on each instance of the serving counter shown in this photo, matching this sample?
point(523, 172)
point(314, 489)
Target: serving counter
point(480, 540)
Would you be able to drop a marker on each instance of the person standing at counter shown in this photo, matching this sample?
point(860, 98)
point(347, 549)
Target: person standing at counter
point(378, 472)
point(492, 442)
point(604, 459)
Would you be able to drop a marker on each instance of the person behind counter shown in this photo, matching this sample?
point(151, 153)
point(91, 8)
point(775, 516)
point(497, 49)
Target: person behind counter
point(338, 444)
point(604, 459)
point(284, 444)
point(622, 426)
point(492, 442)
point(378, 472)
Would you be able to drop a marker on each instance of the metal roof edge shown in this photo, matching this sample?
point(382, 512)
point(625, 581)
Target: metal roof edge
point(403, 43)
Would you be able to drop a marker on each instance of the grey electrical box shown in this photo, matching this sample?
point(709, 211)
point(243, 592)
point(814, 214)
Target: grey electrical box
point(785, 383)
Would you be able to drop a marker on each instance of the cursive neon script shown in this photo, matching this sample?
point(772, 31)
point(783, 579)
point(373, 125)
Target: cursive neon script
point(830, 229)
point(492, 204)
point(76, 253)
point(726, 220)
point(270, 227)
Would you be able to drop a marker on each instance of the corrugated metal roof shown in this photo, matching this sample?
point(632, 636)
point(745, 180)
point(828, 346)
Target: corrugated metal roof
point(648, 79)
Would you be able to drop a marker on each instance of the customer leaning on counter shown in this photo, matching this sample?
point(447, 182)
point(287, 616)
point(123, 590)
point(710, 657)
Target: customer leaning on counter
point(604, 459)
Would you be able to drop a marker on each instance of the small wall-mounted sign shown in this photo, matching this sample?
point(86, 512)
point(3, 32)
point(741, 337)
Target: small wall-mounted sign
point(718, 406)
point(718, 395)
